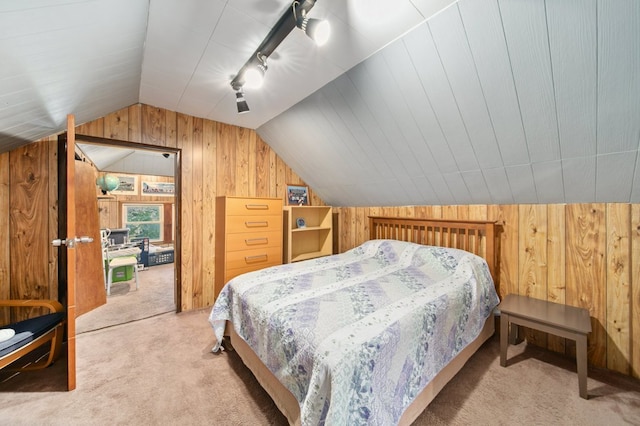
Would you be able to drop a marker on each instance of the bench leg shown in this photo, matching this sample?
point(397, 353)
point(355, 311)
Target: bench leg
point(581, 360)
point(514, 335)
point(504, 338)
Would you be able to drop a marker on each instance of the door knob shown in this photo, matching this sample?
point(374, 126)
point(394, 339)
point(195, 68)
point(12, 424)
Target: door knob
point(71, 242)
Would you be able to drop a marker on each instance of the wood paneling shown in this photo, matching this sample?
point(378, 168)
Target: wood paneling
point(582, 255)
point(618, 277)
point(196, 213)
point(118, 125)
point(135, 124)
point(108, 212)
point(153, 125)
point(635, 290)
point(53, 215)
point(216, 159)
point(5, 290)
point(29, 221)
point(185, 132)
point(586, 271)
point(507, 216)
point(556, 249)
point(533, 259)
point(209, 179)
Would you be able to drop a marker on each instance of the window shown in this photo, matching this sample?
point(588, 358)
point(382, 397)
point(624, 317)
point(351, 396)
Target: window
point(144, 220)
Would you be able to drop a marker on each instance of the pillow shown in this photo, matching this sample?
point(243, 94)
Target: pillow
point(6, 334)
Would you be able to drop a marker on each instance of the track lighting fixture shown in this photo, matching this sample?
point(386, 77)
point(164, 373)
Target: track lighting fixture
point(252, 73)
point(241, 104)
point(318, 30)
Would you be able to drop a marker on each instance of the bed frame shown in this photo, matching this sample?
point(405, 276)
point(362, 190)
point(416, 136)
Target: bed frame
point(478, 237)
point(475, 236)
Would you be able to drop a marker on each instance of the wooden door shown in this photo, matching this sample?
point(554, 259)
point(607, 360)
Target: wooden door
point(89, 272)
point(80, 264)
point(67, 228)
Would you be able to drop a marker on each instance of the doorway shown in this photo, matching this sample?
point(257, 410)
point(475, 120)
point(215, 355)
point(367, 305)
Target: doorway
point(148, 178)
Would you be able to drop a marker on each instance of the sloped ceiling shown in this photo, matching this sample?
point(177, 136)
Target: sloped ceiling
point(128, 160)
point(487, 101)
point(62, 57)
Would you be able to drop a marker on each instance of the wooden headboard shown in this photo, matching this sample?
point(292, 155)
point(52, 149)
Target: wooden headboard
point(475, 236)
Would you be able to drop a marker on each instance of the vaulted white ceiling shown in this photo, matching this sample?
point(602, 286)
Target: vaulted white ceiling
point(120, 159)
point(411, 102)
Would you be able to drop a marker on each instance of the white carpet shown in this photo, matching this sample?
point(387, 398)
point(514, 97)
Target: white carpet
point(156, 295)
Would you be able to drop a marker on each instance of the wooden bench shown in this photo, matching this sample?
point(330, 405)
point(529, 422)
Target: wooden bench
point(561, 320)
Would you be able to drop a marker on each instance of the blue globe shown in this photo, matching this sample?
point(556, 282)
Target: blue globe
point(107, 183)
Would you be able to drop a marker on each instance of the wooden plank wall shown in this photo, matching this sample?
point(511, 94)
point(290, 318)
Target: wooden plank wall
point(28, 223)
point(217, 159)
point(585, 255)
point(5, 269)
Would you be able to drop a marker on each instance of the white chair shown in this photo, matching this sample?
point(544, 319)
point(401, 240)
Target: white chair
point(110, 262)
point(118, 262)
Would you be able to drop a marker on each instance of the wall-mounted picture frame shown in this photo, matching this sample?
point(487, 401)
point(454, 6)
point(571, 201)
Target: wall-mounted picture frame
point(158, 189)
point(298, 195)
point(128, 185)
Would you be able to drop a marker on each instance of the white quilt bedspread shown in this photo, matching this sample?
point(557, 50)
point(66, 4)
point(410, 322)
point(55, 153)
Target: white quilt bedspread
point(356, 336)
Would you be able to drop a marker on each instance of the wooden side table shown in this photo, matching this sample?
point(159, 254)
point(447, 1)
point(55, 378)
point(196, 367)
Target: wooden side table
point(561, 320)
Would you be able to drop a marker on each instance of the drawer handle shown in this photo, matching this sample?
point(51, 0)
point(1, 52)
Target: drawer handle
point(257, 206)
point(256, 258)
point(260, 224)
point(254, 241)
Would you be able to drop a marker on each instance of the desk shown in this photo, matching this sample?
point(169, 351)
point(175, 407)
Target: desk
point(561, 320)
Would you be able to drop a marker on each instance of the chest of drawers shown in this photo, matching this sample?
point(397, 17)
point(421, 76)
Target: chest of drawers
point(248, 236)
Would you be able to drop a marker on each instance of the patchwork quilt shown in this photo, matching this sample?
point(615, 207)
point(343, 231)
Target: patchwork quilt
point(356, 336)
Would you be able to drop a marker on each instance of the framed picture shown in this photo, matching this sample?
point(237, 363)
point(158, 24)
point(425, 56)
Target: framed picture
point(298, 195)
point(158, 189)
point(128, 185)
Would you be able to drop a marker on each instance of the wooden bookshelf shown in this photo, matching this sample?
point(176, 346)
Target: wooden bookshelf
point(313, 240)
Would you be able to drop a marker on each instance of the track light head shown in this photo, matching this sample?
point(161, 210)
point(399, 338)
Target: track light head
point(317, 29)
point(254, 75)
point(241, 103)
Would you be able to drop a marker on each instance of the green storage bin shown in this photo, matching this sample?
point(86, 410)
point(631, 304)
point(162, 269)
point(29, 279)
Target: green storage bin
point(121, 273)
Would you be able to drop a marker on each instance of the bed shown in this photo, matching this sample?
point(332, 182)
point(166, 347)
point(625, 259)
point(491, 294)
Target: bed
point(366, 336)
